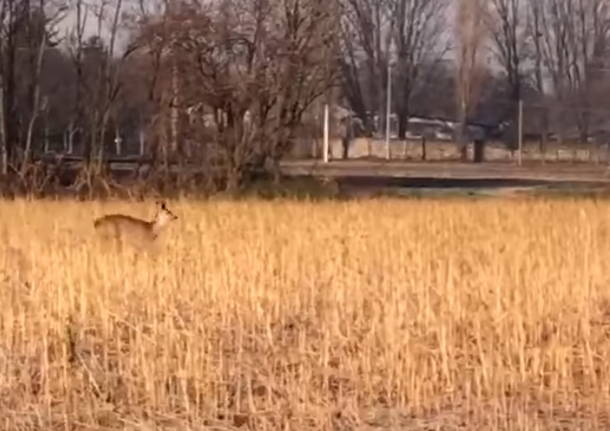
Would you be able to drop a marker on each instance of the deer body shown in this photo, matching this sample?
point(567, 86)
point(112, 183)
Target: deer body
point(141, 235)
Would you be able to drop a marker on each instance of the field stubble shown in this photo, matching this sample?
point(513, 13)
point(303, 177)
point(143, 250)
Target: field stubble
point(379, 314)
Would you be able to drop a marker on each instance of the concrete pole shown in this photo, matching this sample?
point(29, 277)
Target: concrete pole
point(388, 112)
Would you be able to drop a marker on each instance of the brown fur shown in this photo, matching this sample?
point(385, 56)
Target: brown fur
point(121, 229)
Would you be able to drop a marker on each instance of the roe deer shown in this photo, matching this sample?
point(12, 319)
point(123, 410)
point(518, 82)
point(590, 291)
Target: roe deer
point(140, 234)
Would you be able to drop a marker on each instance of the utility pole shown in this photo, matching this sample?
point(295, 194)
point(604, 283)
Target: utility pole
point(388, 112)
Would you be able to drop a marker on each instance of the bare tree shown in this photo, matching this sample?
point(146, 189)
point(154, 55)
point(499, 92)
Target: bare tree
point(366, 41)
point(109, 76)
point(507, 26)
point(50, 15)
point(472, 33)
point(557, 55)
point(308, 68)
point(420, 43)
point(374, 32)
point(251, 69)
point(574, 35)
point(27, 30)
point(534, 26)
point(5, 13)
point(76, 44)
point(590, 41)
point(97, 64)
point(166, 70)
point(13, 14)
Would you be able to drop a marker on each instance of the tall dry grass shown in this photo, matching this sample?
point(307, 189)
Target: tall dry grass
point(294, 316)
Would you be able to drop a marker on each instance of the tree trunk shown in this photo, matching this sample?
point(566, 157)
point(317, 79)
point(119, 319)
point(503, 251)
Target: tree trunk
point(276, 170)
point(479, 150)
point(403, 123)
point(102, 138)
point(35, 105)
point(545, 132)
point(28, 142)
point(345, 144)
point(462, 143)
point(233, 181)
point(11, 125)
point(3, 142)
point(174, 109)
point(347, 137)
point(423, 148)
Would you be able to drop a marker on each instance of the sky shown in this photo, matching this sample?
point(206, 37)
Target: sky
point(91, 29)
point(68, 24)
point(91, 26)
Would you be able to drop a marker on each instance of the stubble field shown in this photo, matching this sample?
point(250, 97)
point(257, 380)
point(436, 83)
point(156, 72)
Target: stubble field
point(363, 315)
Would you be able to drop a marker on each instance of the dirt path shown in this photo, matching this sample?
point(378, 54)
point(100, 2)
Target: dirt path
point(361, 178)
point(443, 170)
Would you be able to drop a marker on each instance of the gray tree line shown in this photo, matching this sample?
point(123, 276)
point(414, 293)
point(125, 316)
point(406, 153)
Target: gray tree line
point(230, 85)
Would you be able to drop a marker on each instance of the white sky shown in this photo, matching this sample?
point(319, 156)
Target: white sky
point(91, 27)
point(91, 22)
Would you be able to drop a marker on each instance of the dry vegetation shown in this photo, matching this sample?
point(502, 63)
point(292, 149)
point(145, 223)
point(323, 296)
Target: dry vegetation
point(379, 314)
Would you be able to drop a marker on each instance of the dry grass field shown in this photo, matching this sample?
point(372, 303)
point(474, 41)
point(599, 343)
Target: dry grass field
point(363, 315)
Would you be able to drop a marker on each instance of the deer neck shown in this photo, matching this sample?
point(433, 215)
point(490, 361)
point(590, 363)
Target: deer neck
point(157, 226)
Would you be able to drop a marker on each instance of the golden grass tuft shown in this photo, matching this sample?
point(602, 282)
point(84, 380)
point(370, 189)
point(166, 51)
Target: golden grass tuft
point(293, 316)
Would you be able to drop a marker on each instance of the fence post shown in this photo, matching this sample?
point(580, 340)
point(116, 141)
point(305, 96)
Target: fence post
point(388, 112)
